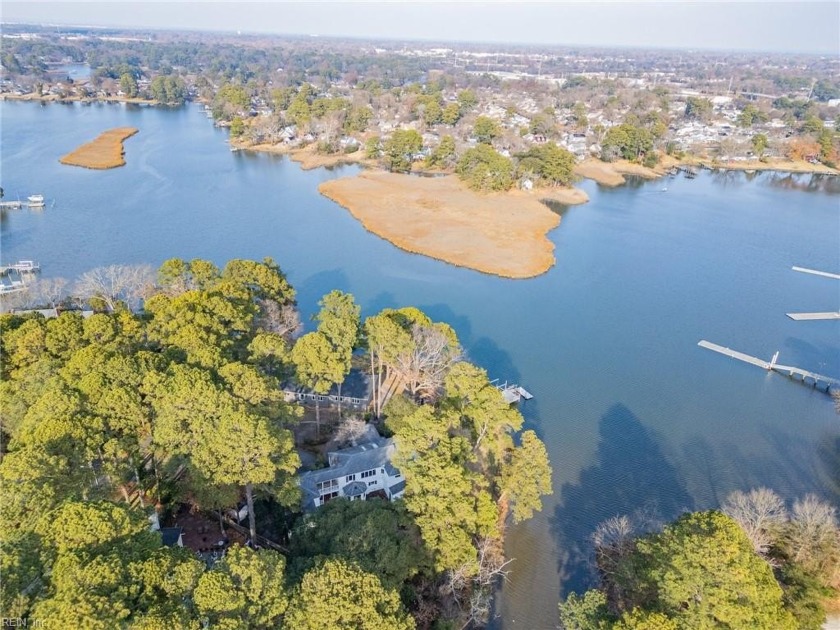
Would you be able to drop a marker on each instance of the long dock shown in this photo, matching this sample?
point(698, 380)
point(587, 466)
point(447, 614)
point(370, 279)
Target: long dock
point(814, 316)
point(803, 376)
point(824, 274)
point(734, 354)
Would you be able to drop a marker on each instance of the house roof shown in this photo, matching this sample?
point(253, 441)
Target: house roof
point(376, 453)
point(354, 489)
point(356, 385)
point(170, 535)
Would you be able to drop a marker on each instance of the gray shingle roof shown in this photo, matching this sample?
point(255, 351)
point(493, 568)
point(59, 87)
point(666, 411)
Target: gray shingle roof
point(347, 461)
point(354, 489)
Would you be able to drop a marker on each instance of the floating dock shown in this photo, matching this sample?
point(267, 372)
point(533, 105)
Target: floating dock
point(804, 376)
point(513, 393)
point(824, 274)
point(814, 316)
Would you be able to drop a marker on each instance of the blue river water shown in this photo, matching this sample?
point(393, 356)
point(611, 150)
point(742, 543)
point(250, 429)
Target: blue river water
point(634, 414)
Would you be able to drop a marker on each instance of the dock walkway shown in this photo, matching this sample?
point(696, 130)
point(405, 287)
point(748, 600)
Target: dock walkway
point(734, 354)
point(795, 373)
point(824, 274)
point(814, 316)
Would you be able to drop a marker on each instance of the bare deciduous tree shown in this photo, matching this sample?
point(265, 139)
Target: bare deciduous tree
point(47, 291)
point(476, 582)
point(350, 430)
point(426, 365)
point(813, 536)
point(283, 320)
point(613, 532)
point(116, 283)
point(760, 512)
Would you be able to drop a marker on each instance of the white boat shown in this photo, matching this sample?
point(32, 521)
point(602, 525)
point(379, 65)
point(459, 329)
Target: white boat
point(36, 200)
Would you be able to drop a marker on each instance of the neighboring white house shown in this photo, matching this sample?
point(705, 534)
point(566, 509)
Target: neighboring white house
point(357, 473)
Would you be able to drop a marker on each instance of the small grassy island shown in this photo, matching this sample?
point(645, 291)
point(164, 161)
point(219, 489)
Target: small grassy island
point(106, 151)
point(499, 233)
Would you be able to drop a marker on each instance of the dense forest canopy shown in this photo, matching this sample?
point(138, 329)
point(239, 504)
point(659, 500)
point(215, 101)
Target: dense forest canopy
point(118, 417)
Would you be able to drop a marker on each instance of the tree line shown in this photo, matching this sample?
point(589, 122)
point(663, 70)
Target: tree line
point(751, 564)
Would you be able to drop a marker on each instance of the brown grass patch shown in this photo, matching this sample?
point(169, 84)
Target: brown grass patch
point(612, 173)
point(106, 151)
point(502, 234)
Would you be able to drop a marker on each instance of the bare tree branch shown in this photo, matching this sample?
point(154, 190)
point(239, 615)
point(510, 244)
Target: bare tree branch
point(760, 513)
point(115, 284)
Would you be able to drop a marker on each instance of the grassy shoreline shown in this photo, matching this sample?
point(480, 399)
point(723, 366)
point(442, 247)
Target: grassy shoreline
point(104, 152)
point(74, 98)
point(613, 173)
point(502, 234)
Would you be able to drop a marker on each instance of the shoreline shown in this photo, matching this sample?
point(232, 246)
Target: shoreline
point(610, 174)
point(502, 234)
point(614, 174)
point(55, 98)
point(307, 157)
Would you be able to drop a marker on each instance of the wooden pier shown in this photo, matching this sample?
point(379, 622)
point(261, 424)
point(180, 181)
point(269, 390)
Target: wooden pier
point(21, 266)
point(824, 274)
point(817, 381)
point(734, 354)
point(799, 317)
point(17, 205)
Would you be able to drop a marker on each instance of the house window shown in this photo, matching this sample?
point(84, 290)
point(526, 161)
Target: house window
point(368, 473)
point(327, 497)
point(350, 478)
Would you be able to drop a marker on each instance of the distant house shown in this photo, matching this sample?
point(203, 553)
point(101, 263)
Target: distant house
point(357, 473)
point(355, 392)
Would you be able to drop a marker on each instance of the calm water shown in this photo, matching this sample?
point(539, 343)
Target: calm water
point(634, 414)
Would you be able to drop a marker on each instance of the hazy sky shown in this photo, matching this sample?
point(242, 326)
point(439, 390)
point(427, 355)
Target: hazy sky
point(767, 25)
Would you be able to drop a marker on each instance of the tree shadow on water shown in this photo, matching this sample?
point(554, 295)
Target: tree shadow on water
point(630, 474)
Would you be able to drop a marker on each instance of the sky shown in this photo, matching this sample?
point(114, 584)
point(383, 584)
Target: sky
point(812, 27)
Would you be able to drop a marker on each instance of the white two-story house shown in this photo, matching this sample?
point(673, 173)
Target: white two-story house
point(357, 473)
